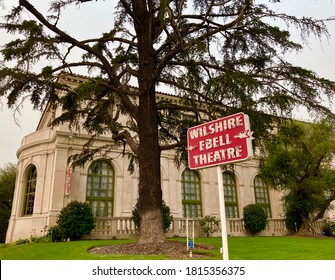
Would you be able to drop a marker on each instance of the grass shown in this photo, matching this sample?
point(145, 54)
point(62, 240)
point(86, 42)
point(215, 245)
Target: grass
point(240, 248)
point(281, 248)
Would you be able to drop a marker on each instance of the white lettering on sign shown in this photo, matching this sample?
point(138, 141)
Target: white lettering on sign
point(216, 127)
point(217, 156)
point(218, 141)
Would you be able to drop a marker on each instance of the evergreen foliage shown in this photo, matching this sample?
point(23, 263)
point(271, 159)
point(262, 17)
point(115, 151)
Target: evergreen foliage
point(329, 229)
point(209, 225)
point(7, 185)
point(167, 217)
point(255, 218)
point(293, 219)
point(75, 220)
point(299, 161)
point(55, 233)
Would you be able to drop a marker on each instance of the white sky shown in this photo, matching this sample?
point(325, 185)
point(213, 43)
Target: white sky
point(90, 16)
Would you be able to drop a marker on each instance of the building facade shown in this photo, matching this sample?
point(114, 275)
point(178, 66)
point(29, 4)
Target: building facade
point(45, 184)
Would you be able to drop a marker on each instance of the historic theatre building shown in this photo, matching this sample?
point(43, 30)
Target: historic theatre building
point(45, 184)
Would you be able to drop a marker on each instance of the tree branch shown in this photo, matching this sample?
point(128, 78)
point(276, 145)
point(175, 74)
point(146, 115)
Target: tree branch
point(109, 69)
point(125, 136)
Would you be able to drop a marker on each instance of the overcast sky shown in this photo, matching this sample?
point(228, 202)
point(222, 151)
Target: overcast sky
point(320, 57)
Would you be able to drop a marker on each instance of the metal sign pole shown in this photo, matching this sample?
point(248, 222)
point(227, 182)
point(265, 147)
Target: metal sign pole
point(190, 239)
point(187, 233)
point(222, 215)
point(193, 233)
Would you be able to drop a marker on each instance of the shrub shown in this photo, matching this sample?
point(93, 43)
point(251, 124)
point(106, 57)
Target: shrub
point(293, 220)
point(209, 225)
point(22, 241)
point(254, 218)
point(167, 217)
point(329, 229)
point(55, 234)
point(40, 239)
point(75, 220)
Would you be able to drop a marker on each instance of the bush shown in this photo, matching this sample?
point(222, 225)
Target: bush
point(22, 241)
point(209, 225)
point(75, 220)
point(167, 217)
point(55, 234)
point(254, 218)
point(293, 220)
point(40, 239)
point(329, 229)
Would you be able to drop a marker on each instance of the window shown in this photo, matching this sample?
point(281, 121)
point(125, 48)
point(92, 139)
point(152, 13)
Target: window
point(100, 188)
point(230, 195)
point(191, 194)
point(30, 189)
point(262, 195)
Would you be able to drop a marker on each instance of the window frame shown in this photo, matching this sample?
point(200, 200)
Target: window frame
point(30, 185)
point(231, 201)
point(102, 205)
point(190, 179)
point(264, 189)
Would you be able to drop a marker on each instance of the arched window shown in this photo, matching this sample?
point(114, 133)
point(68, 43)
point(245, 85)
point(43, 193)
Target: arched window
point(30, 189)
point(262, 195)
point(230, 195)
point(191, 194)
point(100, 188)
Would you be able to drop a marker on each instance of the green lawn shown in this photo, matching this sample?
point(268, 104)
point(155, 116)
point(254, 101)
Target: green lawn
point(240, 248)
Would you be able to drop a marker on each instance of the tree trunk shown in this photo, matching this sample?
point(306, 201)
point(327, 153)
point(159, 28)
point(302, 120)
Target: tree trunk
point(307, 229)
point(150, 193)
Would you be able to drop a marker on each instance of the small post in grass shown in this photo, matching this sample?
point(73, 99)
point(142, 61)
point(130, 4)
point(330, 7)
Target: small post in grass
point(190, 235)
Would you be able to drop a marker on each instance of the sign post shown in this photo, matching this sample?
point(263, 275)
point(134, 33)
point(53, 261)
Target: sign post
point(222, 141)
point(225, 254)
point(190, 236)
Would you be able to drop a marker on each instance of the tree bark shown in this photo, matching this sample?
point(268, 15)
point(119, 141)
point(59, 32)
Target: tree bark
point(150, 193)
point(149, 152)
point(306, 229)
